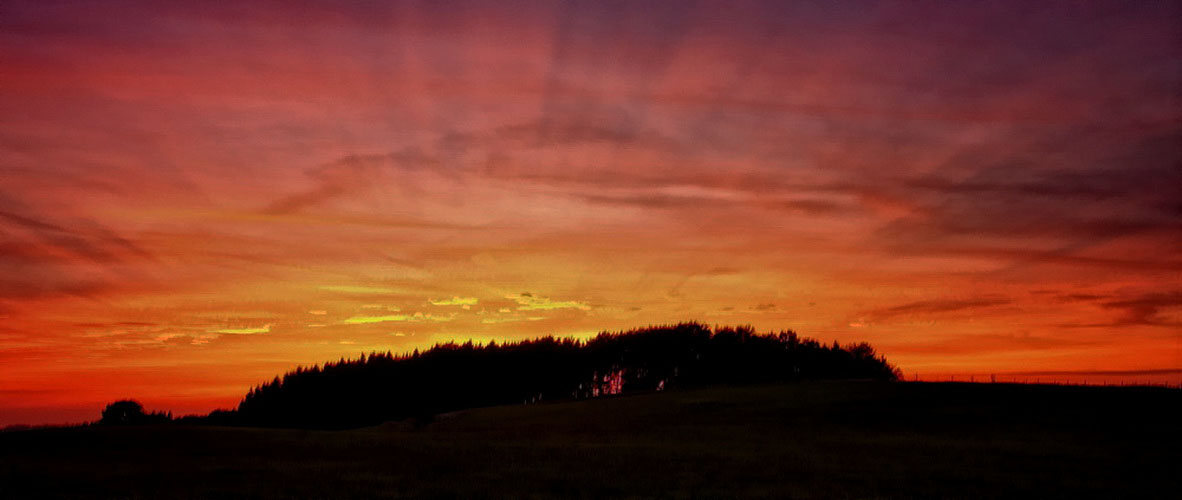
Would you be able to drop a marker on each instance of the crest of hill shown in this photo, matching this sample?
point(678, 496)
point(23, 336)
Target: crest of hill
point(383, 386)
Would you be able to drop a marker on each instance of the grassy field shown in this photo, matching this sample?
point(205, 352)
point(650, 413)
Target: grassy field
point(806, 440)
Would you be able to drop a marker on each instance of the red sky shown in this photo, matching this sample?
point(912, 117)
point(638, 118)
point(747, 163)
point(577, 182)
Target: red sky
point(194, 199)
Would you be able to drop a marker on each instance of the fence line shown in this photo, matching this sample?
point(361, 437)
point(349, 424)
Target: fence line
point(1066, 381)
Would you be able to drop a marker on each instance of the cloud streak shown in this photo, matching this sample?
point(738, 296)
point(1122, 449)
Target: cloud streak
point(935, 307)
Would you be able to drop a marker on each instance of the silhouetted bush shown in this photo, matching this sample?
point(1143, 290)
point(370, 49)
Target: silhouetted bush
point(381, 386)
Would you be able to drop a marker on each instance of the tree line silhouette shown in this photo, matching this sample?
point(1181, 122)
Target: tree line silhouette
point(382, 387)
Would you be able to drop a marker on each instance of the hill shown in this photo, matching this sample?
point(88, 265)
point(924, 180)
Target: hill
point(795, 440)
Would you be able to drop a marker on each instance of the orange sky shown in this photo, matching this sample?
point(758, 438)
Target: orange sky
point(193, 200)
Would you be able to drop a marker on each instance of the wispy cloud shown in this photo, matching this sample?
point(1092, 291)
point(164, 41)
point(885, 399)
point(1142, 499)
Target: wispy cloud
point(528, 302)
point(1162, 309)
point(244, 331)
point(956, 345)
point(418, 316)
point(360, 290)
point(510, 319)
point(359, 320)
point(934, 307)
point(1147, 309)
point(455, 301)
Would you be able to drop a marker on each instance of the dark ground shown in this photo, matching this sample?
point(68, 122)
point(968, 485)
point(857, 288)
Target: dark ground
point(805, 440)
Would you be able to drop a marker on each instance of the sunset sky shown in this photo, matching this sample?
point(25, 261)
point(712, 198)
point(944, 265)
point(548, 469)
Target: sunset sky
point(195, 197)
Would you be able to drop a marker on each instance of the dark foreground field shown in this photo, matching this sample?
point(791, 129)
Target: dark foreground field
point(806, 440)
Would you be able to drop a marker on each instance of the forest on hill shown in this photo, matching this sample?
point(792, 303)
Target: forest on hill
point(381, 387)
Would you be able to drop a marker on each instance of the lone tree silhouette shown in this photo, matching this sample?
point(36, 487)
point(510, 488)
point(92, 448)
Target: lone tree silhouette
point(130, 412)
point(125, 412)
